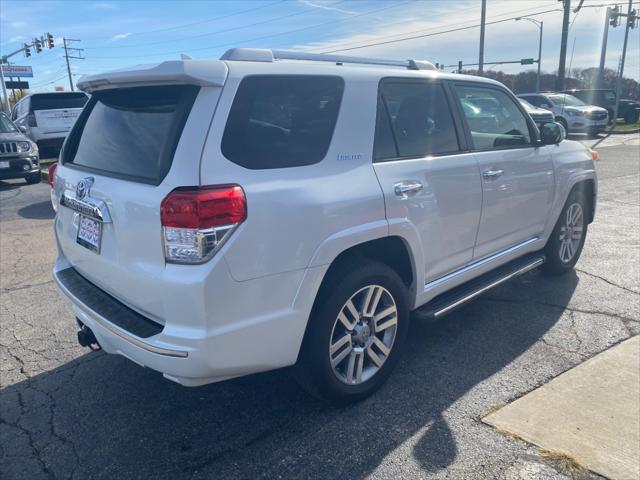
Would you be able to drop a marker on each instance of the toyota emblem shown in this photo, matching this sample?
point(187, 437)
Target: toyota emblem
point(83, 187)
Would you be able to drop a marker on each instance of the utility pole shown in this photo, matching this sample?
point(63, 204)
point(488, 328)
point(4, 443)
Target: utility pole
point(563, 44)
point(630, 21)
point(603, 51)
point(482, 27)
point(67, 49)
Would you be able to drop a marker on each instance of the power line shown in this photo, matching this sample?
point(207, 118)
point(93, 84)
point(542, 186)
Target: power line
point(431, 34)
point(200, 35)
point(347, 44)
point(211, 47)
point(199, 22)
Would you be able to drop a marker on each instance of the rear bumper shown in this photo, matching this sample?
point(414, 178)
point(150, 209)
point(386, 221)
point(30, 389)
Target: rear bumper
point(229, 342)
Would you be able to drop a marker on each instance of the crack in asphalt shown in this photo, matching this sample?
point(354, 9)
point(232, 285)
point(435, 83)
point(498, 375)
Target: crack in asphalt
point(613, 284)
point(619, 202)
point(23, 287)
point(560, 307)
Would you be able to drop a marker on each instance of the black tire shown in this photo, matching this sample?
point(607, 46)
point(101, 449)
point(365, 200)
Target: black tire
point(631, 116)
point(564, 124)
point(555, 264)
point(313, 371)
point(33, 178)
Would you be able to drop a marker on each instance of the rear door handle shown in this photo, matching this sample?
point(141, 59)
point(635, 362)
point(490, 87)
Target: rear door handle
point(409, 187)
point(492, 174)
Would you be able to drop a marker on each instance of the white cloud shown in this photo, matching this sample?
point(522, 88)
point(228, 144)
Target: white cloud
point(104, 6)
point(505, 41)
point(325, 7)
point(120, 36)
point(17, 38)
point(18, 24)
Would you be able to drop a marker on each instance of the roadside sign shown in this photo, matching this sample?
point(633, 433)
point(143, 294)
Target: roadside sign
point(17, 71)
point(527, 61)
point(17, 85)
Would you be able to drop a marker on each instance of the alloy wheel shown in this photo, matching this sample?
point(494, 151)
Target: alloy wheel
point(363, 335)
point(571, 232)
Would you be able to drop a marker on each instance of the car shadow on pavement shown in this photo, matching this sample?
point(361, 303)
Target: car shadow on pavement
point(38, 211)
point(101, 416)
point(4, 186)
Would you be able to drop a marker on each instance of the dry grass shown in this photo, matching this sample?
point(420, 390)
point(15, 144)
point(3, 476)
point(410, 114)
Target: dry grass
point(509, 434)
point(492, 409)
point(564, 462)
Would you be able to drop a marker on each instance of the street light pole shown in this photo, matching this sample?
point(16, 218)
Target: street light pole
point(539, 58)
point(540, 26)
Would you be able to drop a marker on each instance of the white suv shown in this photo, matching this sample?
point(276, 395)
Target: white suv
point(571, 112)
point(220, 218)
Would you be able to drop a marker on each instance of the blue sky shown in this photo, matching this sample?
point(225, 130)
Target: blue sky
point(116, 34)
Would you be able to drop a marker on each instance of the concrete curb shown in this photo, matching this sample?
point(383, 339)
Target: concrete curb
point(637, 130)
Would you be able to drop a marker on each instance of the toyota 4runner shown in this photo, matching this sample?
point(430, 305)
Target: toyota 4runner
point(269, 209)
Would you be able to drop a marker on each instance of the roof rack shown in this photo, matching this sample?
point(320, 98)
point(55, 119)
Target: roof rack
point(266, 55)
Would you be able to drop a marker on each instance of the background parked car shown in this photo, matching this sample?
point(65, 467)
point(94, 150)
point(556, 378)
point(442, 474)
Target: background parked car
point(46, 118)
point(18, 155)
point(539, 115)
point(628, 109)
point(571, 112)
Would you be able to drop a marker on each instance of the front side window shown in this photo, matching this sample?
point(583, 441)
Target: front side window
point(279, 121)
point(414, 120)
point(496, 122)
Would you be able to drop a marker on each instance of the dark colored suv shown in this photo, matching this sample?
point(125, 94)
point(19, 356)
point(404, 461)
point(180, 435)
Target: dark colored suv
point(629, 110)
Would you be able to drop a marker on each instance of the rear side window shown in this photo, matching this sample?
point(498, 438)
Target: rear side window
point(279, 121)
point(52, 101)
point(414, 120)
point(131, 133)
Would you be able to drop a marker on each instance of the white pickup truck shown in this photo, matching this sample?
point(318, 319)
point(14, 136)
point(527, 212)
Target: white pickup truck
point(46, 118)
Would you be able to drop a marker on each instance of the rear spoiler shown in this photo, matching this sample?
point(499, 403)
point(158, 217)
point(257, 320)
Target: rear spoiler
point(193, 72)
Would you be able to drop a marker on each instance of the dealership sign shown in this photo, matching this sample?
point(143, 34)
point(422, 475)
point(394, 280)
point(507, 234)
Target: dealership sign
point(17, 71)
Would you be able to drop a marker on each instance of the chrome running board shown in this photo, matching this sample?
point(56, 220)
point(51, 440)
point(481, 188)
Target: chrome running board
point(448, 301)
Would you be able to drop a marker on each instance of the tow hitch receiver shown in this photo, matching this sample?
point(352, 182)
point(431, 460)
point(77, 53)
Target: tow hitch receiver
point(86, 338)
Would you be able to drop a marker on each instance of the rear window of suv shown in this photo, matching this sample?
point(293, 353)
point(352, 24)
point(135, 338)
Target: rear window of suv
point(130, 133)
point(52, 101)
point(279, 121)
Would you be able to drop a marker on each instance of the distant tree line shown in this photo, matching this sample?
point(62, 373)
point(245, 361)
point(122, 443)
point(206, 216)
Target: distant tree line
point(524, 82)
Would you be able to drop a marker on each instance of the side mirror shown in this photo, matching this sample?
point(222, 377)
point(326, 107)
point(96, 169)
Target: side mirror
point(22, 128)
point(544, 105)
point(552, 133)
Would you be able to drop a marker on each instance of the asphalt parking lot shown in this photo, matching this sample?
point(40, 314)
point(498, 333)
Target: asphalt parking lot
point(66, 412)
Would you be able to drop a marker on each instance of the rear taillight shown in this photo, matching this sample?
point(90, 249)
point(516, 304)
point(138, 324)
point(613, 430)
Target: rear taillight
point(52, 174)
point(31, 120)
point(197, 220)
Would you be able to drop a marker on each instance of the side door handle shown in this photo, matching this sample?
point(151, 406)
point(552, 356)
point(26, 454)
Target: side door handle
point(406, 188)
point(492, 174)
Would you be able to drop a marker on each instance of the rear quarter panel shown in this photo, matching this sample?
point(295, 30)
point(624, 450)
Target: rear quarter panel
point(302, 216)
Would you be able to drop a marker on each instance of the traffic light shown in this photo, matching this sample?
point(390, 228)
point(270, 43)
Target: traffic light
point(49, 40)
point(26, 50)
point(631, 21)
point(615, 16)
point(37, 45)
